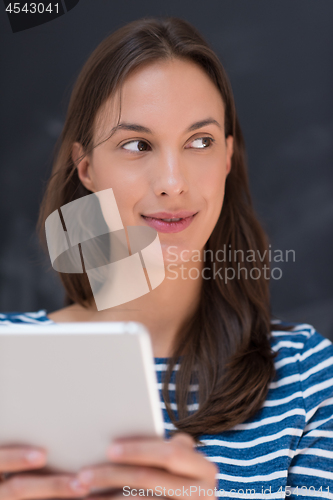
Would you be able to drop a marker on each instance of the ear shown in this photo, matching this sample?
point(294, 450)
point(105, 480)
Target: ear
point(230, 150)
point(83, 166)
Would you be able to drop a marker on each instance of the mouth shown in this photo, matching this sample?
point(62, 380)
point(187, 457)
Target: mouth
point(169, 224)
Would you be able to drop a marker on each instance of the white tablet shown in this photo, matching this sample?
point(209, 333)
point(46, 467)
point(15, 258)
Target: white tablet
point(72, 388)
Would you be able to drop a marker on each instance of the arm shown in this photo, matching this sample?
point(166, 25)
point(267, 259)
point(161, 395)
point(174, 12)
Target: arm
point(312, 464)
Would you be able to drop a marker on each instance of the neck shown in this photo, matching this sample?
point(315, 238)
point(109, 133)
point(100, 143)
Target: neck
point(163, 310)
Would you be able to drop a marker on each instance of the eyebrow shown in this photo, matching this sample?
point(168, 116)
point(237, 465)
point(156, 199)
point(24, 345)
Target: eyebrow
point(140, 128)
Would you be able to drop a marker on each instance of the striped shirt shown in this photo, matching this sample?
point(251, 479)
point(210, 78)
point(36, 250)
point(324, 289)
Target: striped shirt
point(286, 448)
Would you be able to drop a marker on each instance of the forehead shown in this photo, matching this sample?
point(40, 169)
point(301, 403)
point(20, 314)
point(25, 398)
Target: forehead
point(172, 93)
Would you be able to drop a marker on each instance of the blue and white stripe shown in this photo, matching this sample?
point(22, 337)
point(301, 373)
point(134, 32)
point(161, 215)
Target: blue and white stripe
point(287, 447)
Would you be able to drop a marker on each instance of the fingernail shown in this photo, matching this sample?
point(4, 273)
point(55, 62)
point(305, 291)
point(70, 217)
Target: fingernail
point(35, 456)
point(77, 486)
point(116, 450)
point(86, 476)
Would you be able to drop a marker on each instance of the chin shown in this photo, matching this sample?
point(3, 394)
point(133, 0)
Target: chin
point(178, 253)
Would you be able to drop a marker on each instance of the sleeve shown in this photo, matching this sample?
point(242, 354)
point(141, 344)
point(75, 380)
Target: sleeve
point(310, 474)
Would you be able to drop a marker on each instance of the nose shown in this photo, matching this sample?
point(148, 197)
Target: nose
point(170, 175)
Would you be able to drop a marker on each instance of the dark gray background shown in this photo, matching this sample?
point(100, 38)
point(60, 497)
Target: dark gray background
point(279, 57)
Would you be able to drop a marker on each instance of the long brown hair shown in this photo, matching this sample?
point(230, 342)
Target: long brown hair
point(227, 341)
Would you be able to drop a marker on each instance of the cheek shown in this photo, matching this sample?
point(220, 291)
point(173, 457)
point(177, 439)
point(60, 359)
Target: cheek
point(127, 188)
point(213, 186)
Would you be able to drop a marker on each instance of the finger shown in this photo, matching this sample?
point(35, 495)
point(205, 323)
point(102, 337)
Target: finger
point(132, 478)
point(30, 486)
point(105, 494)
point(176, 455)
point(119, 497)
point(184, 438)
point(14, 459)
point(116, 496)
point(112, 496)
point(106, 497)
point(108, 476)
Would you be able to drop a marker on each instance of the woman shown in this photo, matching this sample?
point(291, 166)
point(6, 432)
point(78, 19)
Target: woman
point(152, 116)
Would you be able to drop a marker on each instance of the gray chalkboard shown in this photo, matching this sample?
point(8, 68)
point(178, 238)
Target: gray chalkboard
point(279, 56)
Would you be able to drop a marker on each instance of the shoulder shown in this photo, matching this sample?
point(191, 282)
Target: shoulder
point(74, 312)
point(71, 313)
point(302, 340)
point(12, 318)
point(304, 358)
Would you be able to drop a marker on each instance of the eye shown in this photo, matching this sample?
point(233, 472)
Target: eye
point(136, 146)
point(202, 143)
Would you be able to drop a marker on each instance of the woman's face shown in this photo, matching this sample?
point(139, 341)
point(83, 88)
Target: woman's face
point(169, 155)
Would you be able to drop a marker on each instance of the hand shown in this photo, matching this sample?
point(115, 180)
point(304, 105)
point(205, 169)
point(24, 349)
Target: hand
point(169, 468)
point(28, 485)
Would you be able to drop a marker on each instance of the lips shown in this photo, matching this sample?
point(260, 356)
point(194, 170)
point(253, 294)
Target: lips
point(171, 215)
point(175, 221)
